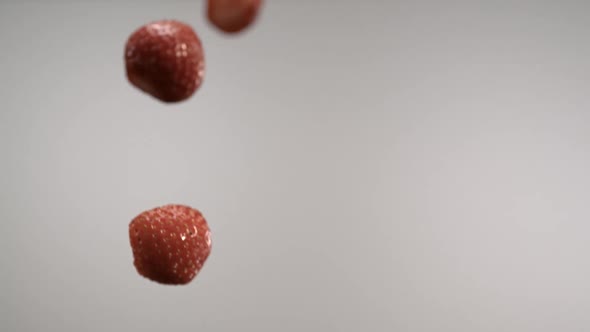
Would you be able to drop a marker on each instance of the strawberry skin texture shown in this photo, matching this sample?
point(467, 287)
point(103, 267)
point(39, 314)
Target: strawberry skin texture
point(166, 60)
point(232, 16)
point(170, 244)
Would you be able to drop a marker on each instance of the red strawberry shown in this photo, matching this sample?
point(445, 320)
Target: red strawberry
point(170, 243)
point(166, 60)
point(232, 16)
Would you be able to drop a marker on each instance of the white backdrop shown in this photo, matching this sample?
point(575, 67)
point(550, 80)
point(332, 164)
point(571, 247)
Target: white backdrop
point(364, 166)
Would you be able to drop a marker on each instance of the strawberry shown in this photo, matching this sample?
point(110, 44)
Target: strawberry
point(170, 243)
point(165, 59)
point(232, 16)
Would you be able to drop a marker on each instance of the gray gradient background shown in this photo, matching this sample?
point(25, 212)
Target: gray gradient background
point(364, 166)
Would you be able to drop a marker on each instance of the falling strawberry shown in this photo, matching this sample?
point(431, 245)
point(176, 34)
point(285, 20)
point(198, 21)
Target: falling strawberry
point(232, 16)
point(165, 59)
point(170, 243)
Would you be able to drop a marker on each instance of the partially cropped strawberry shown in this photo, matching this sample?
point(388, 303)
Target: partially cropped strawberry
point(170, 243)
point(165, 59)
point(232, 16)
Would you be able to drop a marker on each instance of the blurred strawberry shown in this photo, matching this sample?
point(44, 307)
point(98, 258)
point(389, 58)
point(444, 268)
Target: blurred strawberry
point(232, 16)
point(170, 243)
point(165, 59)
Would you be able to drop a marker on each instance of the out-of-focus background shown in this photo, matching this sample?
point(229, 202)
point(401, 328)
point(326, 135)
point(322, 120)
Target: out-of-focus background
point(364, 166)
